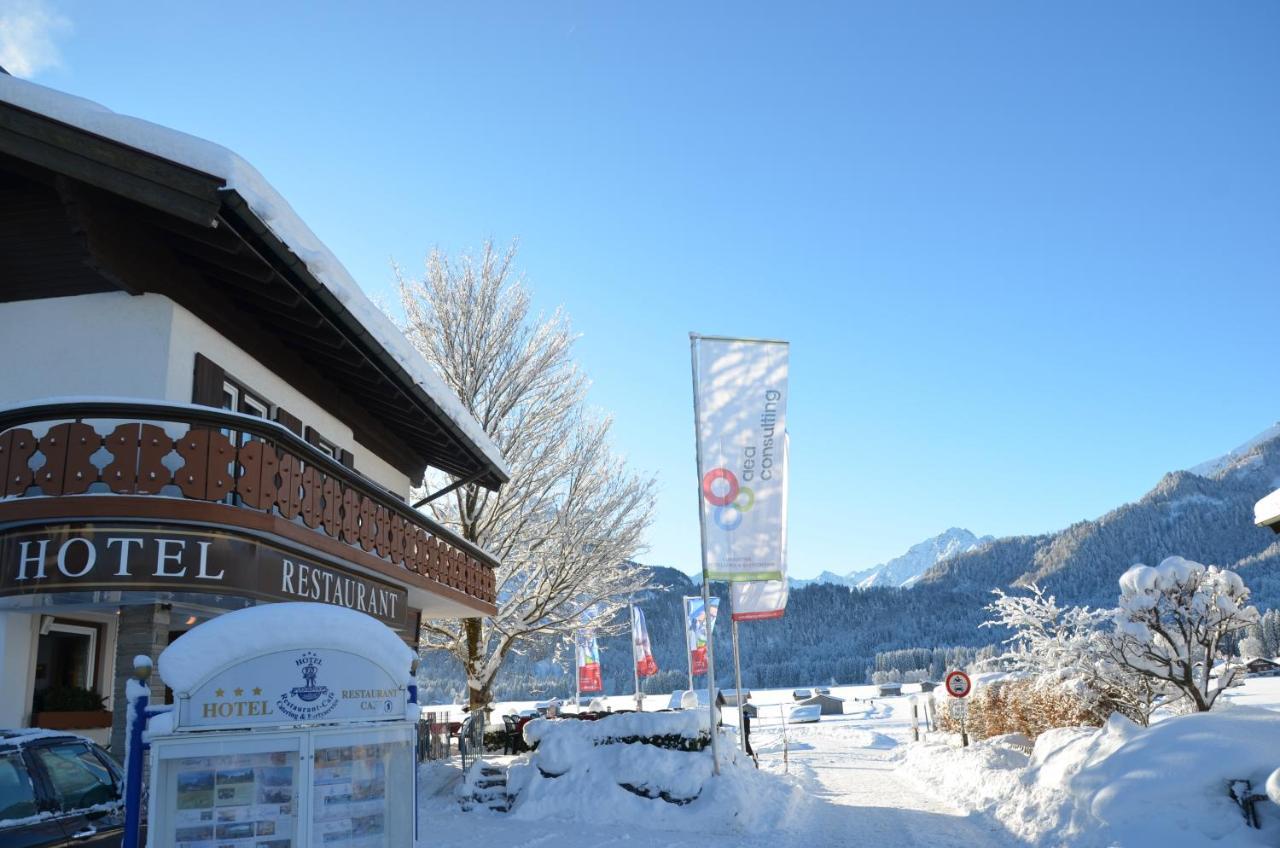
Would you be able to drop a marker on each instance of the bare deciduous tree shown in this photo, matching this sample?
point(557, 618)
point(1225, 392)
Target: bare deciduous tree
point(572, 514)
point(1172, 620)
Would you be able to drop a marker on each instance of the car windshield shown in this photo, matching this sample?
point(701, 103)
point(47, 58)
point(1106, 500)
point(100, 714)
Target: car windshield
point(79, 778)
point(17, 793)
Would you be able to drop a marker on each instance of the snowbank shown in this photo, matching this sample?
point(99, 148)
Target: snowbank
point(579, 774)
point(273, 210)
point(1119, 785)
point(584, 734)
point(204, 650)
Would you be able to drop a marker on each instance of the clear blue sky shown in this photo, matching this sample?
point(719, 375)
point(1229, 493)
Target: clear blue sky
point(1027, 255)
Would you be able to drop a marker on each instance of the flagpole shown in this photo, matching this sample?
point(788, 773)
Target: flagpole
point(688, 649)
point(706, 588)
point(577, 678)
point(635, 661)
point(737, 676)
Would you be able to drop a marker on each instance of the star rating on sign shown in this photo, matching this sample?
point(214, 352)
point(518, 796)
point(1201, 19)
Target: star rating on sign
point(218, 693)
point(239, 691)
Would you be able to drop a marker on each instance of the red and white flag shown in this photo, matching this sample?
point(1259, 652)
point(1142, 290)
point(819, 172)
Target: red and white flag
point(641, 649)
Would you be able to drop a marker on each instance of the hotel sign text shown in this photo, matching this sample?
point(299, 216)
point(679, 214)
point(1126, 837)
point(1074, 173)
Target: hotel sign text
point(98, 558)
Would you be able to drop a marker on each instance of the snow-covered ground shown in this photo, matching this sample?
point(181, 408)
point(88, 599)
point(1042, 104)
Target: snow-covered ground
point(858, 779)
point(835, 782)
point(1121, 786)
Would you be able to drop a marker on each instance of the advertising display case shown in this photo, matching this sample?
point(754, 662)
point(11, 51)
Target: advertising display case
point(305, 738)
point(344, 788)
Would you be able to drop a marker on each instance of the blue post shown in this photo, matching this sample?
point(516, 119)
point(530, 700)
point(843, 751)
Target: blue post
point(133, 770)
point(417, 717)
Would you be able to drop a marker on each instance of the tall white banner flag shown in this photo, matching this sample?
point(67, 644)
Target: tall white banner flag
point(740, 403)
point(758, 600)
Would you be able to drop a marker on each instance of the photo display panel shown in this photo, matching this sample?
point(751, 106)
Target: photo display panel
point(235, 800)
point(354, 788)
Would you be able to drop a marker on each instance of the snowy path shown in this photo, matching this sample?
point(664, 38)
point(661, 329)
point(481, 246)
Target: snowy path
point(851, 761)
point(848, 765)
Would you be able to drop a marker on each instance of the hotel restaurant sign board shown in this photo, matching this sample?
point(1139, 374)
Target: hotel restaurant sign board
point(103, 558)
point(293, 687)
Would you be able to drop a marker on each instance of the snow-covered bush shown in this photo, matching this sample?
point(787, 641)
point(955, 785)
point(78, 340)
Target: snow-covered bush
point(1021, 705)
point(598, 772)
point(1172, 619)
point(682, 730)
point(1071, 649)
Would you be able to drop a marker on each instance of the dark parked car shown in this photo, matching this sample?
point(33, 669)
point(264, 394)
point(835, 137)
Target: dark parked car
point(57, 789)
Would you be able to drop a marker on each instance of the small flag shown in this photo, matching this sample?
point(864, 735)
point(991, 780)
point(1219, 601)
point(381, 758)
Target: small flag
point(641, 650)
point(588, 655)
point(698, 627)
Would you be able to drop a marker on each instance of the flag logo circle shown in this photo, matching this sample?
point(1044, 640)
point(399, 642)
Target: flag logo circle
point(727, 494)
point(720, 488)
point(727, 517)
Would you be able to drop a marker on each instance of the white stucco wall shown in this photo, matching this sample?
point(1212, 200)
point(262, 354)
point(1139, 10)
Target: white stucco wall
point(119, 345)
point(18, 632)
point(107, 344)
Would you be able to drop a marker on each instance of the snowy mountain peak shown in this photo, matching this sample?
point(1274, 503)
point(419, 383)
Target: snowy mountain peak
point(1237, 458)
point(905, 570)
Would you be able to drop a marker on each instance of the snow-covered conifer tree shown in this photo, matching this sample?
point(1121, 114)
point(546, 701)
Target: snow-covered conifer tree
point(1251, 647)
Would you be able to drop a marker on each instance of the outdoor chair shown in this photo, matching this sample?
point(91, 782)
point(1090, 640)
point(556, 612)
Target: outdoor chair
point(510, 737)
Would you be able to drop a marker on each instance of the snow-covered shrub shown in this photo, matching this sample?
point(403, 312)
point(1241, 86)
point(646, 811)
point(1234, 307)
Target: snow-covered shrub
point(1072, 649)
point(1172, 619)
point(1028, 706)
point(592, 772)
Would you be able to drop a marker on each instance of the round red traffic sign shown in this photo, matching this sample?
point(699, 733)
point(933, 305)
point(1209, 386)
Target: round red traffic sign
point(957, 684)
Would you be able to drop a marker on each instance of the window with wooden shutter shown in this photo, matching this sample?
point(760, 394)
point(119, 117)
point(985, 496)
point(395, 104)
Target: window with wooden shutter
point(290, 421)
point(207, 384)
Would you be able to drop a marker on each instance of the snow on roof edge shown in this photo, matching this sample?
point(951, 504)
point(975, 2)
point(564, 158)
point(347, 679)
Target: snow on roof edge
point(275, 213)
point(1267, 511)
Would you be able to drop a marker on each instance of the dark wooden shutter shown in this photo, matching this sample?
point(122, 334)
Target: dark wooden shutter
point(206, 386)
point(309, 433)
point(345, 457)
point(290, 422)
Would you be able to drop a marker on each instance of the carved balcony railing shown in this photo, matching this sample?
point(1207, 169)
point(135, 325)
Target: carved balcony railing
point(199, 453)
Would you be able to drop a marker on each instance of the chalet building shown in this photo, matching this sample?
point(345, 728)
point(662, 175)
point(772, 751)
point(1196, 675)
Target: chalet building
point(199, 411)
point(1262, 667)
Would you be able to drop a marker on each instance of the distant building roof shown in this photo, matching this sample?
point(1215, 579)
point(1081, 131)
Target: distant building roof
point(1266, 513)
point(830, 704)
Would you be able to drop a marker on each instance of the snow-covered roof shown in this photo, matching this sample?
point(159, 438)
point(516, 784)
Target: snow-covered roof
point(276, 215)
point(1266, 513)
point(204, 650)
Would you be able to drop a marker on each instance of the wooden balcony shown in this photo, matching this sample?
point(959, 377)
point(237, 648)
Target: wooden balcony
point(127, 460)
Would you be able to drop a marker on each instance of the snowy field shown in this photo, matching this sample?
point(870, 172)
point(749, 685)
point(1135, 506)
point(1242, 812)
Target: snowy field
point(858, 779)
